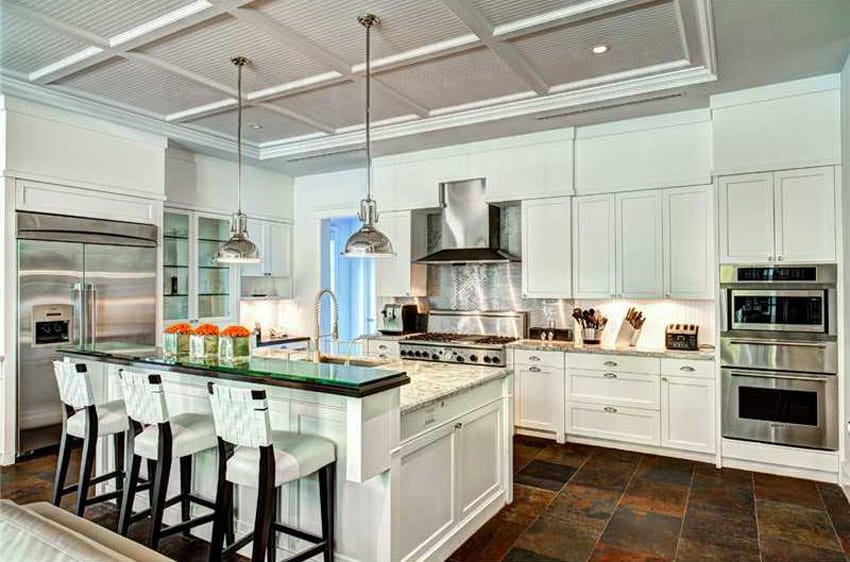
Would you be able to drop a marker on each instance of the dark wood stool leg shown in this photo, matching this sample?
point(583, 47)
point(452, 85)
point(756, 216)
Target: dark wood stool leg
point(265, 504)
point(151, 475)
point(230, 529)
point(64, 458)
point(87, 460)
point(272, 549)
point(223, 511)
point(327, 497)
point(118, 444)
point(131, 478)
point(185, 489)
point(160, 483)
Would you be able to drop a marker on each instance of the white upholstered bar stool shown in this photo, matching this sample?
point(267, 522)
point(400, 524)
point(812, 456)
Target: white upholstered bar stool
point(266, 459)
point(84, 420)
point(156, 436)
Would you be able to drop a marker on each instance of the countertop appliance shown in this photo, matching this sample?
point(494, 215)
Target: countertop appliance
point(79, 281)
point(398, 318)
point(779, 355)
point(468, 337)
point(681, 336)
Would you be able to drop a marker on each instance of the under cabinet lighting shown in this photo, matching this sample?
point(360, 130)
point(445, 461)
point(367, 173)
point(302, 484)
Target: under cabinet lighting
point(599, 49)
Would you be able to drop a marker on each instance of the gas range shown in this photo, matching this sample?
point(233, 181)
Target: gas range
point(457, 342)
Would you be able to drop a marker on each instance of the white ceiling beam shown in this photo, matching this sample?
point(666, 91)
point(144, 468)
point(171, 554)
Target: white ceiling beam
point(286, 112)
point(306, 47)
point(564, 16)
point(479, 25)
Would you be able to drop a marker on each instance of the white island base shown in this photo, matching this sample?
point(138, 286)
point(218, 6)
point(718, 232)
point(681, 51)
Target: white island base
point(414, 479)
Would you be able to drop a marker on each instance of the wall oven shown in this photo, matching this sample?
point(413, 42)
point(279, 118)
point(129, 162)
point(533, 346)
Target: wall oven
point(779, 355)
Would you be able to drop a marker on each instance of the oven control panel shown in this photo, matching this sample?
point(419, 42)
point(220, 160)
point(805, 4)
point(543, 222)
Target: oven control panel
point(453, 354)
point(51, 324)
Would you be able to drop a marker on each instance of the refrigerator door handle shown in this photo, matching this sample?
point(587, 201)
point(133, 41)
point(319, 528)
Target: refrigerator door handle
point(91, 309)
point(79, 312)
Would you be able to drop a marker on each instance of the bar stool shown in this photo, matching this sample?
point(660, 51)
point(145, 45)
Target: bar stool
point(266, 460)
point(160, 438)
point(83, 420)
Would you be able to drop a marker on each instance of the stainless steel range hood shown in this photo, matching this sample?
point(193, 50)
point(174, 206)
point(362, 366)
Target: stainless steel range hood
point(470, 226)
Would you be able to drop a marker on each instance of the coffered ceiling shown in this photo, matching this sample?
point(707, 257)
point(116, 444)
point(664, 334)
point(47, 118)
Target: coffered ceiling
point(438, 65)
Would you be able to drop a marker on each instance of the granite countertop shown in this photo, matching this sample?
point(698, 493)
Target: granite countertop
point(570, 347)
point(388, 337)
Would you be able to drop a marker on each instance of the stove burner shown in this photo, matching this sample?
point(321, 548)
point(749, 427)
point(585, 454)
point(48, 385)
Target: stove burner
point(476, 349)
point(444, 337)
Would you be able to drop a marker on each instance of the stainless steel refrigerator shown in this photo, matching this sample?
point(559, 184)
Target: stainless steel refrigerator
point(79, 281)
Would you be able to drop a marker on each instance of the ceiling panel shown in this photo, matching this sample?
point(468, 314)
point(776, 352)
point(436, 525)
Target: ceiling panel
point(405, 24)
point(343, 105)
point(207, 49)
point(105, 17)
point(636, 38)
point(468, 77)
point(274, 126)
point(25, 47)
point(141, 85)
point(500, 12)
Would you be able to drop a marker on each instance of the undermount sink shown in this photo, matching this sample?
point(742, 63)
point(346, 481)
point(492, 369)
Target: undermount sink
point(354, 362)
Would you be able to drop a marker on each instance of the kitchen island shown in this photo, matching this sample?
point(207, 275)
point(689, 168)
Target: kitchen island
point(423, 450)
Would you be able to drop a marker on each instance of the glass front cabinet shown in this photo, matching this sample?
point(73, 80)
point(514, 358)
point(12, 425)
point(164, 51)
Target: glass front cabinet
point(195, 287)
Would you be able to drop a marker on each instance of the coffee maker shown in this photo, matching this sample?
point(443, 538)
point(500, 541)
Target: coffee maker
point(398, 318)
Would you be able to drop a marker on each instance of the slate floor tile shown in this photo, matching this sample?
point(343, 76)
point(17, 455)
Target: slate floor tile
point(607, 553)
point(787, 490)
point(578, 502)
point(570, 454)
point(491, 543)
point(665, 470)
point(546, 475)
point(722, 492)
point(657, 497)
point(690, 550)
point(838, 510)
point(606, 473)
point(795, 524)
point(707, 525)
point(522, 555)
point(528, 504)
point(652, 533)
point(778, 550)
point(560, 539)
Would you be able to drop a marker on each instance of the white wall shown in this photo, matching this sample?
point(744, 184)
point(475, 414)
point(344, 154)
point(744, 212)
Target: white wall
point(845, 244)
point(316, 197)
point(207, 183)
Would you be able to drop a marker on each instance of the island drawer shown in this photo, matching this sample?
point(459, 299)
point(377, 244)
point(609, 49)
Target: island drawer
point(442, 410)
point(618, 389)
point(554, 359)
point(634, 425)
point(613, 363)
point(383, 349)
point(703, 368)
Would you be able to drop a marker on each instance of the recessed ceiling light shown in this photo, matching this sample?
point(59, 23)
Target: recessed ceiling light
point(599, 49)
point(255, 126)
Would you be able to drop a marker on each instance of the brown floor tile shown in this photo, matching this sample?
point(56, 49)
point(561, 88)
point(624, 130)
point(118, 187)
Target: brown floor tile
point(726, 474)
point(795, 524)
point(570, 454)
point(528, 504)
point(578, 502)
point(838, 510)
point(787, 490)
point(606, 472)
point(657, 497)
point(535, 442)
point(665, 470)
point(722, 491)
point(560, 539)
point(777, 550)
point(522, 555)
point(490, 543)
point(546, 475)
point(719, 527)
point(521, 460)
point(608, 553)
point(652, 533)
point(690, 550)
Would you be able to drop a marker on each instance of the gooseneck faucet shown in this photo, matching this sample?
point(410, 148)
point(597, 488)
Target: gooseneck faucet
point(317, 305)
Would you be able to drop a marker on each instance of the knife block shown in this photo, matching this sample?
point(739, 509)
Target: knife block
point(627, 336)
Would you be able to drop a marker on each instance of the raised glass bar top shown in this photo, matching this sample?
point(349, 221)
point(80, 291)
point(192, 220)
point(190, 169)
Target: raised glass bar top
point(327, 378)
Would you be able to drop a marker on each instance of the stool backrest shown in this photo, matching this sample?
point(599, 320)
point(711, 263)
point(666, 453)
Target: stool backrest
point(241, 415)
point(144, 397)
point(74, 384)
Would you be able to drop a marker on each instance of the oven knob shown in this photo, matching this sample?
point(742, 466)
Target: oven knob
point(403, 353)
point(435, 357)
point(459, 359)
point(487, 359)
point(473, 358)
point(417, 354)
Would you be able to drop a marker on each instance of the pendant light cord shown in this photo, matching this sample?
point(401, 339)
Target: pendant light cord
point(368, 113)
point(239, 64)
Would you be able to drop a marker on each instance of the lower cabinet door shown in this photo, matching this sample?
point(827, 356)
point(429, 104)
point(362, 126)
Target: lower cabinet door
point(632, 425)
point(480, 457)
point(613, 389)
point(688, 414)
point(426, 491)
point(539, 397)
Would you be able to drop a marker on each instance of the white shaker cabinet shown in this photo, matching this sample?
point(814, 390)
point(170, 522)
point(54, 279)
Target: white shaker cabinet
point(593, 246)
point(397, 276)
point(274, 243)
point(639, 265)
point(546, 248)
point(785, 216)
point(689, 243)
point(805, 214)
point(688, 413)
point(539, 391)
point(479, 457)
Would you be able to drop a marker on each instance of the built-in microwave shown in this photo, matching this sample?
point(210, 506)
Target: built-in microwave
point(795, 299)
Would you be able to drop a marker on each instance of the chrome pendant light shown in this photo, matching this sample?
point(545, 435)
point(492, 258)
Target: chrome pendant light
point(239, 249)
point(368, 242)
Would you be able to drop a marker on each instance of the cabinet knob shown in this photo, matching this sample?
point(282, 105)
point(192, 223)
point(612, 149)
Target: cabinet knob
point(610, 375)
point(664, 379)
point(533, 358)
point(534, 369)
point(458, 425)
point(769, 258)
point(611, 409)
point(610, 363)
point(780, 258)
point(687, 369)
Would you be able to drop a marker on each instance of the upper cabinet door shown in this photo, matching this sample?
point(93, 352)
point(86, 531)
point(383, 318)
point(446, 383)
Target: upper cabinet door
point(593, 246)
point(746, 218)
point(639, 244)
point(396, 276)
point(279, 252)
point(805, 214)
point(546, 248)
point(257, 232)
point(689, 243)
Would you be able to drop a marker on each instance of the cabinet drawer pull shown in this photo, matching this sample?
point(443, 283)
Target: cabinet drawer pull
point(611, 409)
point(534, 369)
point(664, 379)
point(533, 358)
point(687, 369)
point(610, 375)
point(610, 363)
point(382, 346)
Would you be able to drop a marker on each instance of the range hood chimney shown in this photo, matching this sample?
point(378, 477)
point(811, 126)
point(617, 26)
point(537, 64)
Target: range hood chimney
point(470, 227)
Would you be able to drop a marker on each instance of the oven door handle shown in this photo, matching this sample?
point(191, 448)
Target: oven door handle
point(782, 343)
point(789, 376)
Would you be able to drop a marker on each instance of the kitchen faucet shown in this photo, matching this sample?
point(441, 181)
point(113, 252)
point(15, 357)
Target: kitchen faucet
point(317, 305)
